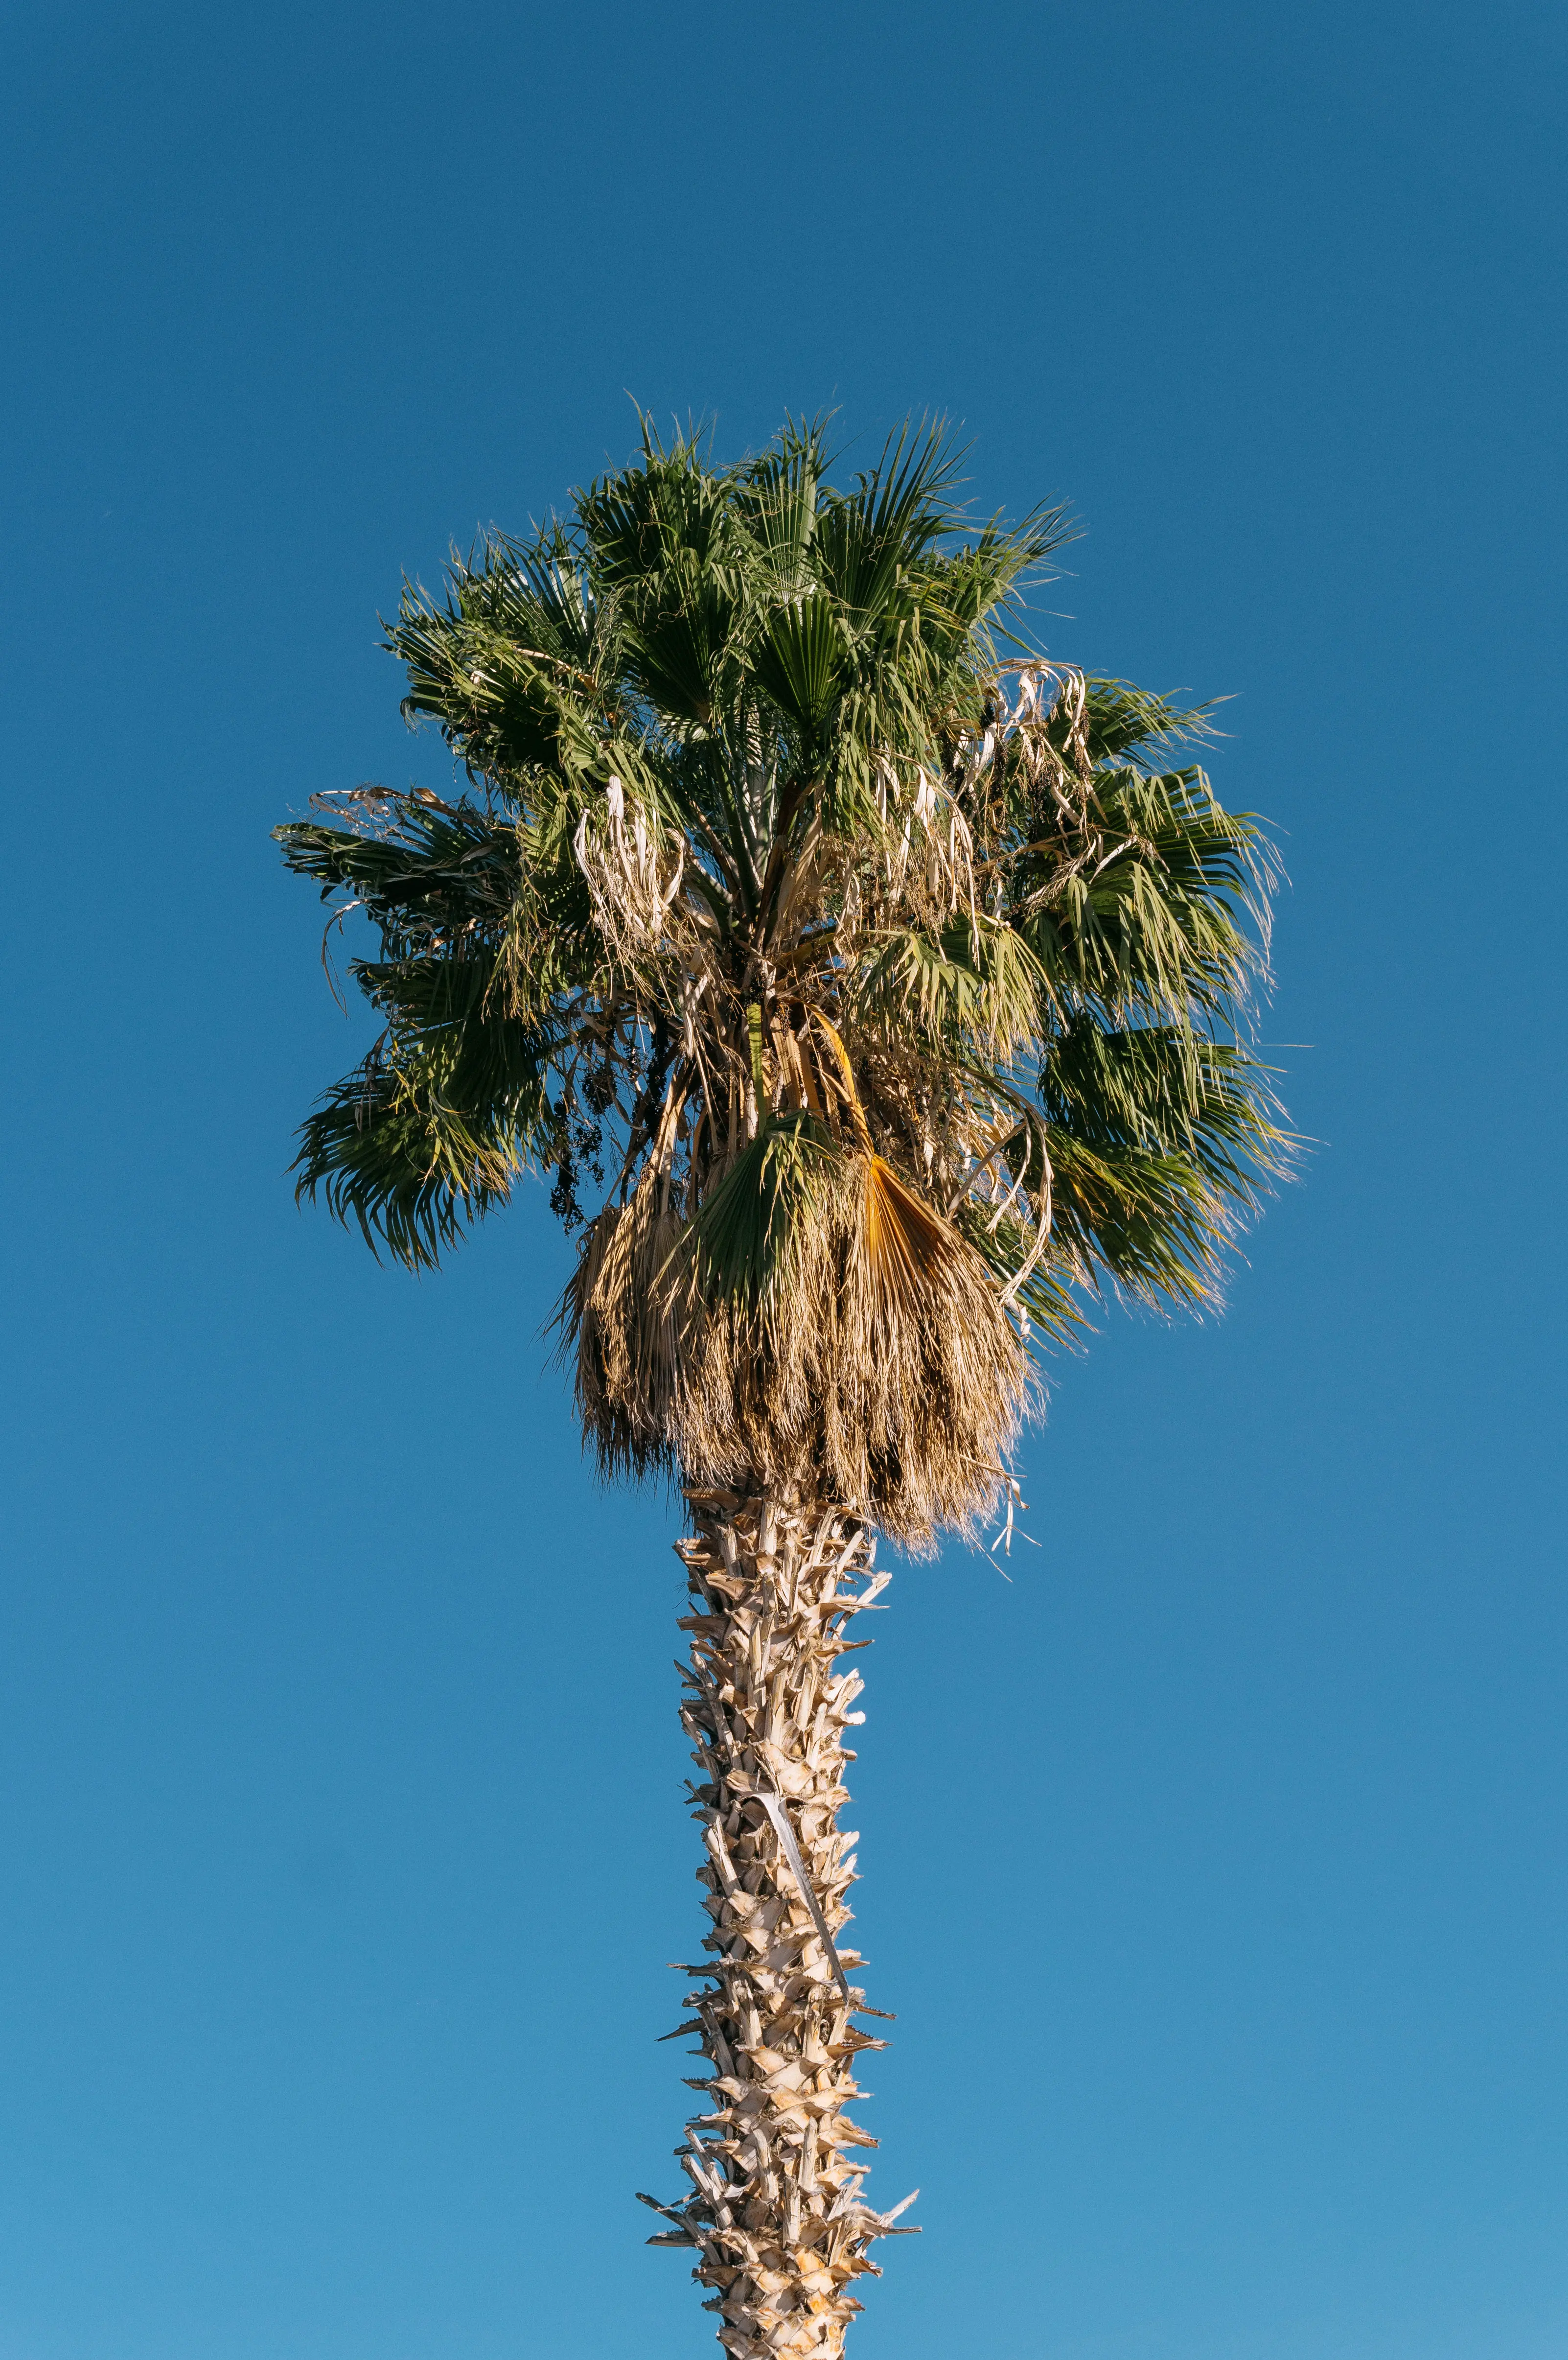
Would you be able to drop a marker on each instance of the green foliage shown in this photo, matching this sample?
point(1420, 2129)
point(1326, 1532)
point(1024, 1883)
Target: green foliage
point(743, 1230)
point(781, 849)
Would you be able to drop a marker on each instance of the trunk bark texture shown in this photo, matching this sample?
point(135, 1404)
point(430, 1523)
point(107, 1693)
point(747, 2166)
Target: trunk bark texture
point(775, 2211)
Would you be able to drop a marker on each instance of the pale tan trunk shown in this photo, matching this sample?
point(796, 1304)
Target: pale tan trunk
point(774, 2160)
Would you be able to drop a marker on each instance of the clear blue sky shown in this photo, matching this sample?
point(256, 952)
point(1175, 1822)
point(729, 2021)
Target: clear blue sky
point(341, 1840)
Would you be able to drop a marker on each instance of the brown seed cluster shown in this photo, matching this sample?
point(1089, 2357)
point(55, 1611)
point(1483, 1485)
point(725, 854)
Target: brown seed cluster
point(776, 2209)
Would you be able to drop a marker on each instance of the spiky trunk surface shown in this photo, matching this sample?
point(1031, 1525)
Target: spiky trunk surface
point(776, 2209)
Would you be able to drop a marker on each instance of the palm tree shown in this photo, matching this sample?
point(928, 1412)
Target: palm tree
point(885, 985)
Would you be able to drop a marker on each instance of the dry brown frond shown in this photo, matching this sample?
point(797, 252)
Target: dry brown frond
point(634, 873)
point(624, 1325)
point(904, 1242)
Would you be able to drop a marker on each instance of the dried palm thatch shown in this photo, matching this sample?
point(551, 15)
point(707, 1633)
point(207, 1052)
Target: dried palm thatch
point(817, 1328)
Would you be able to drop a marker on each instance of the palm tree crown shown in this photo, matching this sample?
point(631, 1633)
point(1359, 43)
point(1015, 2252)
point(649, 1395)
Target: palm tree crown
point(883, 982)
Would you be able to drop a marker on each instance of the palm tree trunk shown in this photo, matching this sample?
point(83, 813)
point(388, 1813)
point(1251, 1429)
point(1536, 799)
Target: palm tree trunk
point(775, 2210)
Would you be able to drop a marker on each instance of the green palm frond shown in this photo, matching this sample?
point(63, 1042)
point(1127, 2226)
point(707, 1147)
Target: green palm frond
point(744, 1232)
point(1160, 1142)
point(389, 1149)
point(977, 987)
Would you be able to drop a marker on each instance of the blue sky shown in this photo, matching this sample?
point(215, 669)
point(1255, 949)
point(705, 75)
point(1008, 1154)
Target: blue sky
point(341, 1840)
